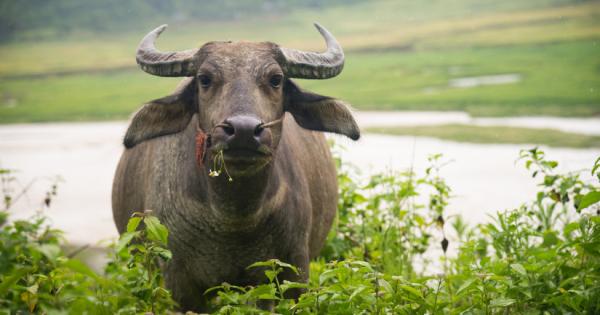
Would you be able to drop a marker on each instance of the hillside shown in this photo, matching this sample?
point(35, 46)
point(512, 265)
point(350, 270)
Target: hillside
point(401, 55)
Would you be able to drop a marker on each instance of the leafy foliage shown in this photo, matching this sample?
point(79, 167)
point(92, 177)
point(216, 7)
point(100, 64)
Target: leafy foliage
point(37, 276)
point(393, 250)
point(543, 257)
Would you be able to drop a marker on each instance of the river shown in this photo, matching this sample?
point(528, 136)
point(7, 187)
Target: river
point(484, 177)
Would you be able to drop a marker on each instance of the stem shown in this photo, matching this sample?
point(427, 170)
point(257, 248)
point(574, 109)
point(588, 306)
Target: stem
point(364, 236)
point(317, 301)
point(485, 298)
point(437, 292)
point(277, 283)
point(384, 248)
point(446, 272)
point(376, 294)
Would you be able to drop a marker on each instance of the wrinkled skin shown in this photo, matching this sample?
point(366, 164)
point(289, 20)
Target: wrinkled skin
point(283, 196)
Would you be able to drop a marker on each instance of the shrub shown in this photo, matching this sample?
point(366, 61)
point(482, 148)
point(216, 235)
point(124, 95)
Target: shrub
point(36, 276)
point(541, 258)
point(388, 253)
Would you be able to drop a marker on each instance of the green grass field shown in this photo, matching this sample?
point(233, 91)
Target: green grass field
point(480, 134)
point(403, 57)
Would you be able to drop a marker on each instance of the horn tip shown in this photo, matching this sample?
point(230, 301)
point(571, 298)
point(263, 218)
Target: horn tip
point(324, 32)
point(161, 28)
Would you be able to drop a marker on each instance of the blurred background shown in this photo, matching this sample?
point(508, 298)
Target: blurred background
point(475, 80)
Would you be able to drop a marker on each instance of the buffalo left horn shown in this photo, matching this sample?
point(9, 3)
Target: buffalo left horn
point(312, 65)
point(164, 64)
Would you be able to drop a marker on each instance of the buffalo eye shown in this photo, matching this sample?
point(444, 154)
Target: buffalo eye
point(275, 80)
point(204, 80)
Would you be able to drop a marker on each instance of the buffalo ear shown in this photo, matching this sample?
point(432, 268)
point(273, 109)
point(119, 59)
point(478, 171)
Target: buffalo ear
point(321, 113)
point(163, 116)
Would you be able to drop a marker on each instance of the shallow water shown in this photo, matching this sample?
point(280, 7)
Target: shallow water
point(587, 126)
point(484, 177)
point(469, 82)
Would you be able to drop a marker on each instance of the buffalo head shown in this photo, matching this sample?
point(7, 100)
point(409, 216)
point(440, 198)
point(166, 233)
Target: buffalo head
point(240, 92)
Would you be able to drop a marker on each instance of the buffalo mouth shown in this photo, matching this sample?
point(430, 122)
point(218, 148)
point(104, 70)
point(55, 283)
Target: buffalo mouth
point(240, 161)
point(243, 155)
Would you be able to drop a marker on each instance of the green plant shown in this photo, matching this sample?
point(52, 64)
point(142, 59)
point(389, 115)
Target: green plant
point(389, 253)
point(37, 276)
point(543, 257)
point(134, 272)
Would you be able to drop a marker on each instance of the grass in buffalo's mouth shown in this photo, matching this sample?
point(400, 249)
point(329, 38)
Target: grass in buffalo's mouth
point(493, 134)
point(219, 166)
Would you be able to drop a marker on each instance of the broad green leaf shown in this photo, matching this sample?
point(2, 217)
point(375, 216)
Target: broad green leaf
point(51, 251)
point(8, 282)
point(225, 286)
point(271, 274)
point(550, 238)
point(527, 292)
point(386, 285)
point(271, 263)
point(264, 292)
point(589, 199)
point(358, 198)
point(519, 268)
point(133, 224)
point(596, 166)
point(412, 290)
point(363, 264)
point(326, 276)
point(267, 263)
point(570, 228)
point(155, 230)
point(292, 285)
point(124, 240)
point(467, 284)
point(162, 252)
point(33, 289)
point(502, 302)
point(357, 291)
point(79, 267)
point(420, 221)
point(286, 265)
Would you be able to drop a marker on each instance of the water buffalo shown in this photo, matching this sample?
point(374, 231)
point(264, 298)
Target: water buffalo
point(238, 107)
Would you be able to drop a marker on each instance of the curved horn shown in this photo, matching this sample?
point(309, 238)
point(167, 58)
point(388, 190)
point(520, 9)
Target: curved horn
point(164, 64)
point(311, 65)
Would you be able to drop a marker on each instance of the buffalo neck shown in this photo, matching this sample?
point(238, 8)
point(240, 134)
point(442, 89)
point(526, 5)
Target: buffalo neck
point(240, 201)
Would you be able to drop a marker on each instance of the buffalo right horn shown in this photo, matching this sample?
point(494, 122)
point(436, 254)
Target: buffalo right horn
point(312, 65)
point(164, 64)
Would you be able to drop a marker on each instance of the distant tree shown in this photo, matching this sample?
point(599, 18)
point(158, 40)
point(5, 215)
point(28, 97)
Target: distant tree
point(35, 19)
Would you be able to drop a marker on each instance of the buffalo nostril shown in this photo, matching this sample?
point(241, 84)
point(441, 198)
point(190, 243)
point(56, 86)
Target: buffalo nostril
point(229, 130)
point(259, 129)
point(242, 131)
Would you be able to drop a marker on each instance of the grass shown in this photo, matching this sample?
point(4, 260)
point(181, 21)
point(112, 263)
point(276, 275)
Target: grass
point(393, 23)
point(402, 58)
point(80, 97)
point(420, 25)
point(557, 79)
point(481, 134)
